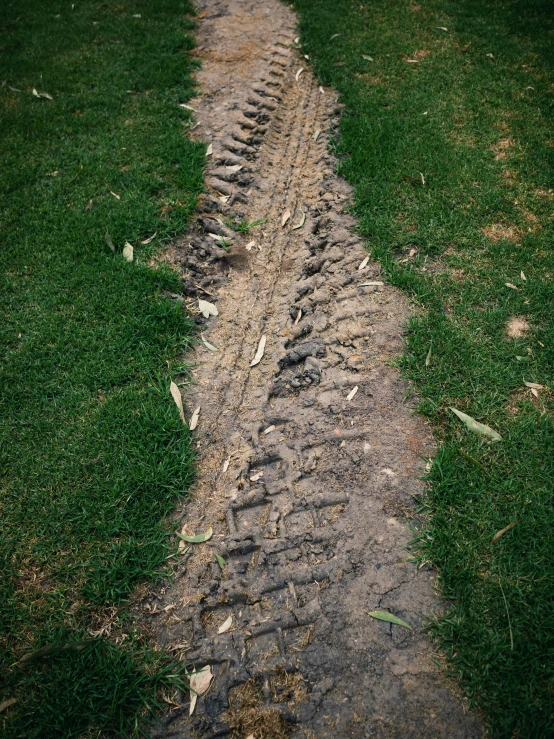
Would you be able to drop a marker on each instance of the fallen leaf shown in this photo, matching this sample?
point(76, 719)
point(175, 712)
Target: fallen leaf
point(286, 216)
point(249, 246)
point(428, 357)
point(411, 61)
point(335, 35)
point(298, 316)
point(302, 222)
point(235, 168)
point(89, 206)
point(352, 393)
point(509, 284)
point(118, 197)
point(535, 392)
point(490, 55)
point(533, 385)
point(376, 283)
point(422, 178)
point(226, 625)
point(257, 476)
point(7, 703)
point(183, 549)
point(150, 239)
point(269, 429)
point(194, 419)
point(197, 538)
point(226, 465)
point(501, 533)
point(476, 427)
point(322, 91)
point(109, 242)
point(317, 134)
point(209, 346)
point(40, 95)
point(128, 252)
point(220, 561)
point(297, 75)
point(176, 395)
point(136, 15)
point(389, 617)
point(199, 683)
point(259, 354)
point(363, 263)
point(441, 28)
point(522, 275)
point(187, 107)
point(207, 309)
point(367, 58)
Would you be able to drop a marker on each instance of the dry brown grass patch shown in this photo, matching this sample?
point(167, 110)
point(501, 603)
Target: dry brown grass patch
point(501, 147)
point(248, 714)
point(497, 231)
point(516, 327)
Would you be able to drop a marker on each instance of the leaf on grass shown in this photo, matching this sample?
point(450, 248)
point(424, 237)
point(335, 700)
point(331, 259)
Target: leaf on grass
point(375, 283)
point(302, 222)
point(187, 107)
point(207, 309)
point(199, 683)
point(533, 385)
point(335, 35)
point(389, 617)
point(522, 275)
point(285, 217)
point(220, 561)
point(41, 95)
point(226, 625)
point(509, 284)
point(109, 242)
point(259, 354)
point(501, 533)
point(317, 134)
point(7, 703)
point(367, 58)
point(194, 419)
point(441, 28)
point(176, 395)
point(150, 239)
point(363, 263)
point(197, 538)
point(72, 646)
point(89, 205)
point(476, 427)
point(116, 196)
point(297, 75)
point(352, 393)
point(209, 346)
point(128, 252)
point(428, 357)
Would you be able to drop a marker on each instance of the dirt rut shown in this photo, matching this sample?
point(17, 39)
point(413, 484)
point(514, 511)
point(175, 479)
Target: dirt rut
point(309, 460)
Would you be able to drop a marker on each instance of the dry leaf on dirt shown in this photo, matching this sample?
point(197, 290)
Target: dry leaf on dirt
point(249, 246)
point(501, 533)
point(226, 465)
point(317, 134)
point(176, 395)
point(187, 107)
point(375, 283)
point(363, 263)
point(299, 225)
point(207, 309)
point(286, 216)
point(352, 393)
point(476, 427)
point(150, 239)
point(269, 429)
point(389, 617)
point(298, 317)
point(7, 703)
point(199, 683)
point(209, 150)
point(533, 385)
point(259, 354)
point(226, 625)
point(197, 538)
point(194, 419)
point(209, 346)
point(128, 252)
point(297, 75)
point(257, 476)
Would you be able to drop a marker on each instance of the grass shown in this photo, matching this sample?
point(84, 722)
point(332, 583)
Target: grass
point(448, 139)
point(93, 455)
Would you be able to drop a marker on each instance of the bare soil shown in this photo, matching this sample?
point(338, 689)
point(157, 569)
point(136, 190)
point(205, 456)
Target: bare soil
point(306, 483)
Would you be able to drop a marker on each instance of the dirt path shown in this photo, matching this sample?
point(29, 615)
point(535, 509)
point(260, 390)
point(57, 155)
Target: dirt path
point(310, 459)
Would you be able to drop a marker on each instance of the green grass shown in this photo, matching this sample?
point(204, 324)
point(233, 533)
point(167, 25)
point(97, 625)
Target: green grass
point(439, 151)
point(93, 455)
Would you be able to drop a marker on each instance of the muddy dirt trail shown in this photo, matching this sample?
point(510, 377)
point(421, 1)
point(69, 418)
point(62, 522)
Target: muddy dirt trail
point(310, 458)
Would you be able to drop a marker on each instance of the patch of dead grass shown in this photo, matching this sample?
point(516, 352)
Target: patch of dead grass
point(497, 231)
point(516, 327)
point(502, 147)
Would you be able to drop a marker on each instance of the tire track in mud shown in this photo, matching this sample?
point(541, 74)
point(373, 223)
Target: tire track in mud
point(309, 461)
